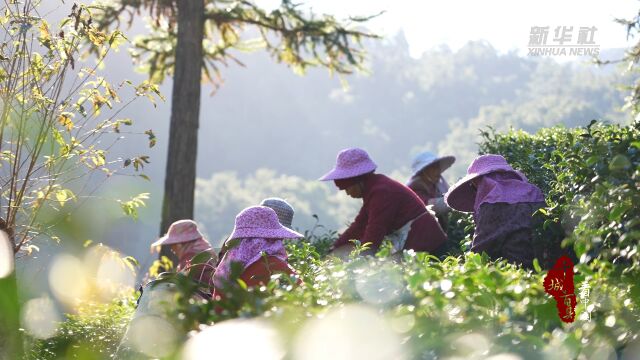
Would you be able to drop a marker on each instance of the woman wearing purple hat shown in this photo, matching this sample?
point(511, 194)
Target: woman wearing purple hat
point(389, 209)
point(186, 242)
point(503, 203)
point(256, 245)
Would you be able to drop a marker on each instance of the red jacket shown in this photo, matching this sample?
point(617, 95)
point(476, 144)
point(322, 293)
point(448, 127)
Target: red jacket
point(259, 273)
point(387, 206)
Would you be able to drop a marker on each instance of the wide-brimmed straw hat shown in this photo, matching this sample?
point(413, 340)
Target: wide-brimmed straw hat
point(461, 196)
point(180, 231)
point(282, 208)
point(427, 158)
point(350, 163)
point(260, 222)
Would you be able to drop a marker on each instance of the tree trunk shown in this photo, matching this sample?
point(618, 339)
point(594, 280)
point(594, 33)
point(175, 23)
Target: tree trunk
point(180, 177)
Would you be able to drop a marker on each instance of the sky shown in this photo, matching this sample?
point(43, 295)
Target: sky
point(505, 24)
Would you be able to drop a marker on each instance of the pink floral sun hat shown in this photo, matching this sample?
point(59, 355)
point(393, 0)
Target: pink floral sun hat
point(350, 163)
point(261, 222)
point(461, 196)
point(180, 231)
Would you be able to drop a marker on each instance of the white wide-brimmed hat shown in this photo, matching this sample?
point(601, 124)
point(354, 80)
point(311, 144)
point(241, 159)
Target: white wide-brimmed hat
point(427, 158)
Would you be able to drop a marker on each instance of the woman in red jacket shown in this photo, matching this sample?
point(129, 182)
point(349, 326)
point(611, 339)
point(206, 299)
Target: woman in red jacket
point(186, 242)
point(256, 245)
point(389, 209)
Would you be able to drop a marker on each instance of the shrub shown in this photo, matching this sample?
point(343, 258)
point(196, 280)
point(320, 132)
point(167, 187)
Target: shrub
point(436, 304)
point(94, 332)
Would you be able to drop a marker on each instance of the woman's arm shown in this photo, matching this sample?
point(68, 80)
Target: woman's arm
point(355, 230)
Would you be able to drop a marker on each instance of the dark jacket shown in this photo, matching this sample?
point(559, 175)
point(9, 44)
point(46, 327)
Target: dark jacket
point(506, 231)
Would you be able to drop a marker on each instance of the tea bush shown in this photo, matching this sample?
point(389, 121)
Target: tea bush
point(94, 332)
point(438, 304)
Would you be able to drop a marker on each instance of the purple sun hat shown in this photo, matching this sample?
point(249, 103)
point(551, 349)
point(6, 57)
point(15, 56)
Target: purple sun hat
point(461, 196)
point(261, 222)
point(180, 231)
point(350, 163)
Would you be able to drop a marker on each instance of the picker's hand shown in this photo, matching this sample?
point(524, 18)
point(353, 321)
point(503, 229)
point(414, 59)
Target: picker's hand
point(438, 206)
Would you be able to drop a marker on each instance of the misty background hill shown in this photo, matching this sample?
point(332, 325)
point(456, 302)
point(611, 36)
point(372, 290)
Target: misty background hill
point(268, 132)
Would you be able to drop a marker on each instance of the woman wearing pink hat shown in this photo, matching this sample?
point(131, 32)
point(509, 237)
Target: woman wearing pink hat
point(186, 242)
point(256, 245)
point(389, 209)
point(503, 203)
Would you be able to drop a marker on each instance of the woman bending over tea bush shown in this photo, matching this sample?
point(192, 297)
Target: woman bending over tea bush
point(503, 203)
point(389, 209)
point(256, 247)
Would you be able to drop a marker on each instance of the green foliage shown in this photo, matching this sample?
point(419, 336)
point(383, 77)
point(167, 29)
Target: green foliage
point(160, 265)
point(459, 232)
point(94, 332)
point(58, 116)
point(441, 300)
point(130, 207)
point(437, 302)
point(591, 179)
